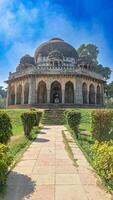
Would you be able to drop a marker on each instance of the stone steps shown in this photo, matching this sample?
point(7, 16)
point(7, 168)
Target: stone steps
point(53, 116)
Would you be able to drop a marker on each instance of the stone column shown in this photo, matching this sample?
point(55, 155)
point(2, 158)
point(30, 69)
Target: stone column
point(22, 97)
point(63, 93)
point(79, 99)
point(15, 94)
point(87, 94)
point(95, 94)
point(8, 96)
point(32, 91)
point(48, 92)
point(74, 87)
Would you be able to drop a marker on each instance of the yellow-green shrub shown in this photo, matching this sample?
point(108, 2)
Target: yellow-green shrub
point(102, 125)
point(5, 128)
point(103, 160)
point(5, 161)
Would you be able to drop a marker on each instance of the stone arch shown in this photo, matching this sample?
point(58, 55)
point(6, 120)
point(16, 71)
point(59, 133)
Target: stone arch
point(56, 92)
point(69, 92)
point(55, 63)
point(84, 93)
point(98, 96)
point(19, 94)
point(42, 92)
point(26, 93)
point(91, 94)
point(12, 95)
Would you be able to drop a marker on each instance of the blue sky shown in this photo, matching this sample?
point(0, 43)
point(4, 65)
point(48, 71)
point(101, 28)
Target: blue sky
point(24, 24)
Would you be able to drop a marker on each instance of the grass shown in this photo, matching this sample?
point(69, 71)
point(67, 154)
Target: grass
point(15, 115)
point(85, 140)
point(68, 148)
point(19, 142)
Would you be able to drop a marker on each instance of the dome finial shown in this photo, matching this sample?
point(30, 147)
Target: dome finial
point(55, 38)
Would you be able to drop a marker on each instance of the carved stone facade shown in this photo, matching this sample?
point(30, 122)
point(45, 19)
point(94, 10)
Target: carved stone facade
point(53, 76)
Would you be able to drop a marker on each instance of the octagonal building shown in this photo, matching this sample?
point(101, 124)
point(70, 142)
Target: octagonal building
point(54, 76)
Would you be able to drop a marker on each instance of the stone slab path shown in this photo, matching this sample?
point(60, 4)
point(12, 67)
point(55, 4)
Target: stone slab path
point(45, 172)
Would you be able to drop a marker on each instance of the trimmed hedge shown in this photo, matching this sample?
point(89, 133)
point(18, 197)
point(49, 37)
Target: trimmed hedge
point(5, 128)
point(5, 162)
point(103, 160)
point(73, 120)
point(38, 117)
point(29, 120)
point(102, 125)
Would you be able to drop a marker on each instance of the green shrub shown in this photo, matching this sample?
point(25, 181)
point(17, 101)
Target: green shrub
point(28, 120)
point(5, 128)
point(73, 120)
point(5, 161)
point(103, 160)
point(102, 125)
point(38, 118)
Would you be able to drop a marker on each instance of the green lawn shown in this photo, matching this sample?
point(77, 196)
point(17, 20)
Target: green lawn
point(15, 114)
point(19, 142)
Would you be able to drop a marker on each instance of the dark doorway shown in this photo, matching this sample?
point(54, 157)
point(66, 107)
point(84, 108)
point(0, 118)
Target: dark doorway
point(69, 92)
point(26, 93)
point(91, 94)
point(42, 93)
point(84, 93)
point(12, 95)
point(98, 97)
point(56, 93)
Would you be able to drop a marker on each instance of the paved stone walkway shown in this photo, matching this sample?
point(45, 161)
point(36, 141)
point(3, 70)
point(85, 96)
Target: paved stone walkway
point(45, 172)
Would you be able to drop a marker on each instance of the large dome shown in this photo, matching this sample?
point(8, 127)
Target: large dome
point(56, 44)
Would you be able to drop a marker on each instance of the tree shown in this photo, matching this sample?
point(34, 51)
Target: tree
point(104, 71)
point(88, 54)
point(2, 92)
point(109, 89)
point(2, 97)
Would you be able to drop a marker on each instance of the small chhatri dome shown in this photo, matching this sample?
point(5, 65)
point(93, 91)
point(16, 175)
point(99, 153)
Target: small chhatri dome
point(27, 59)
point(56, 44)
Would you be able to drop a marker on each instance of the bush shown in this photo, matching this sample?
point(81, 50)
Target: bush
point(5, 161)
point(5, 128)
point(102, 125)
point(73, 120)
point(28, 120)
point(38, 118)
point(103, 160)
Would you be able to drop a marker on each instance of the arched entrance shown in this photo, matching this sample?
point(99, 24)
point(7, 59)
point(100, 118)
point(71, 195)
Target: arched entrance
point(91, 94)
point(26, 93)
point(98, 97)
point(42, 92)
point(56, 93)
point(84, 93)
point(12, 95)
point(19, 94)
point(69, 92)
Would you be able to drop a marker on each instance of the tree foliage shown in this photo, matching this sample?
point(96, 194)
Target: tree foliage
point(88, 54)
point(109, 89)
point(2, 97)
point(2, 92)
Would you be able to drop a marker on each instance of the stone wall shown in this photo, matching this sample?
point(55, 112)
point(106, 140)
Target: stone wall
point(17, 88)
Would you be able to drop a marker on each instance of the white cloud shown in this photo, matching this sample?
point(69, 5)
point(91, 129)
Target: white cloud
point(15, 19)
point(22, 29)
